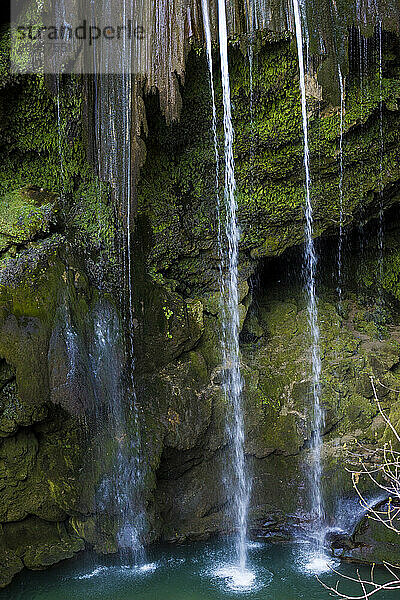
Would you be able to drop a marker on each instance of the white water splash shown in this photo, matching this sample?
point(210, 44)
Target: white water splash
point(243, 581)
point(349, 512)
point(319, 564)
point(123, 570)
point(233, 384)
point(236, 578)
point(95, 573)
point(310, 264)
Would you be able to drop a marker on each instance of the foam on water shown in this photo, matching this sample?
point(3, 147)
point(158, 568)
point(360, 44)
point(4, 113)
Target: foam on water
point(237, 579)
point(319, 564)
point(315, 560)
point(127, 570)
point(94, 573)
point(255, 545)
point(175, 561)
point(148, 568)
point(136, 569)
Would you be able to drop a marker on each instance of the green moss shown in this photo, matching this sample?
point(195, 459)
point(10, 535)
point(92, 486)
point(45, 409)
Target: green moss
point(40, 543)
point(177, 192)
point(44, 146)
point(24, 214)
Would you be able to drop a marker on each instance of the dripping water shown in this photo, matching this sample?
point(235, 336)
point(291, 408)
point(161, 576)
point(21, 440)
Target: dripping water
point(362, 66)
point(60, 16)
point(252, 26)
point(120, 490)
point(113, 120)
point(60, 134)
point(71, 344)
point(340, 243)
point(233, 384)
point(381, 152)
point(310, 264)
point(207, 34)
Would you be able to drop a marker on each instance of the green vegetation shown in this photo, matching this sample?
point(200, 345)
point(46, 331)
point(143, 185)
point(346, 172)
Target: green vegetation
point(177, 191)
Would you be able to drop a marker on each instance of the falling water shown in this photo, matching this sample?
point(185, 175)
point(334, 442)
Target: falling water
point(120, 490)
point(310, 263)
point(60, 15)
point(362, 64)
point(113, 120)
point(71, 344)
point(233, 384)
point(252, 26)
point(340, 244)
point(60, 133)
point(380, 229)
point(207, 34)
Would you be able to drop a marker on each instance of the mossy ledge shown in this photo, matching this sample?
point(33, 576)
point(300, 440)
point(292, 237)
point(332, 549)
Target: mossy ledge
point(58, 257)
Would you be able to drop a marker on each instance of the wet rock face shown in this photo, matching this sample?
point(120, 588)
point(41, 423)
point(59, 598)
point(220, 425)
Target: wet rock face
point(176, 206)
point(357, 341)
point(190, 493)
point(50, 469)
point(373, 542)
point(177, 196)
point(47, 464)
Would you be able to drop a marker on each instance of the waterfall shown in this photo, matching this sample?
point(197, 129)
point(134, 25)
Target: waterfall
point(310, 264)
point(60, 134)
point(120, 491)
point(123, 489)
point(233, 384)
point(340, 244)
point(252, 27)
point(207, 34)
point(381, 152)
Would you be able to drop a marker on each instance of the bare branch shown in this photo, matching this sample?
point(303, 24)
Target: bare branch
point(365, 584)
point(382, 467)
point(386, 419)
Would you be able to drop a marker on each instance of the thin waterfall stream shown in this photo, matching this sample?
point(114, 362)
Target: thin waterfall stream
point(310, 265)
point(233, 383)
point(381, 153)
point(121, 490)
point(208, 40)
point(341, 173)
point(189, 333)
point(252, 27)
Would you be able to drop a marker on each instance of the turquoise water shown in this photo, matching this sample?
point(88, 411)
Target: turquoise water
point(193, 572)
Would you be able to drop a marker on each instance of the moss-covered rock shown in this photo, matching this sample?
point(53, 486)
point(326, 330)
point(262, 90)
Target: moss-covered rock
point(10, 565)
point(57, 225)
point(45, 147)
point(24, 215)
point(373, 543)
point(177, 192)
point(40, 544)
point(50, 465)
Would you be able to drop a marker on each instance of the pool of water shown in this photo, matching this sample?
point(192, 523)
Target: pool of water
point(192, 572)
